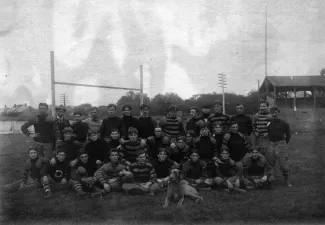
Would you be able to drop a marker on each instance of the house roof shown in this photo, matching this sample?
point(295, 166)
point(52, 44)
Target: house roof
point(19, 109)
point(296, 81)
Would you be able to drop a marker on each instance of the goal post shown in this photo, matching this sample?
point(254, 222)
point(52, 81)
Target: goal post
point(53, 83)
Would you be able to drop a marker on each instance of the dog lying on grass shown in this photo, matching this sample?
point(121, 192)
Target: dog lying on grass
point(178, 189)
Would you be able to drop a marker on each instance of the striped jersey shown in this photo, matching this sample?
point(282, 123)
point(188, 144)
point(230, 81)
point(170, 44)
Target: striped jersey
point(260, 121)
point(93, 125)
point(130, 150)
point(223, 119)
point(143, 173)
point(172, 127)
point(109, 171)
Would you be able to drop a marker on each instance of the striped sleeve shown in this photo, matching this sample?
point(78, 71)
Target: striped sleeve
point(100, 174)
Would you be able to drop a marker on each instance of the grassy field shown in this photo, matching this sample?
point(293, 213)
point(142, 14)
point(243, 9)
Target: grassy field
point(303, 203)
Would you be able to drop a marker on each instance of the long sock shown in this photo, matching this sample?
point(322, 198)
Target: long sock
point(46, 187)
point(77, 187)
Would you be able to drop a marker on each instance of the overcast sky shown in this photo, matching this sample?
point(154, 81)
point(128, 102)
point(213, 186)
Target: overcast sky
point(182, 45)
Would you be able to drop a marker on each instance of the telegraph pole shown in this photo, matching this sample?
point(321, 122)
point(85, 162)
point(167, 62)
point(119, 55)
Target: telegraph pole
point(64, 99)
point(222, 84)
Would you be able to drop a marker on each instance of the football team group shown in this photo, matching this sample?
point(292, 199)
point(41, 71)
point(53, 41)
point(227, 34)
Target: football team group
point(135, 155)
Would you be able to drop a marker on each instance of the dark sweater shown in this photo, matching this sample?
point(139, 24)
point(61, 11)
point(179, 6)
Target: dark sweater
point(226, 169)
point(80, 129)
point(34, 168)
point(148, 125)
point(279, 130)
point(90, 166)
point(207, 147)
point(193, 171)
point(113, 144)
point(191, 124)
point(163, 168)
point(97, 150)
point(255, 169)
point(244, 123)
point(219, 140)
point(179, 155)
point(44, 128)
point(130, 121)
point(155, 143)
point(59, 170)
point(237, 144)
point(71, 149)
point(110, 123)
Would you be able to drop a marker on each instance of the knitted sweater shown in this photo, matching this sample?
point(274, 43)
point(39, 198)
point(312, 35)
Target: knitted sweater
point(97, 150)
point(112, 122)
point(109, 170)
point(42, 126)
point(244, 123)
point(155, 143)
point(80, 129)
point(148, 125)
point(94, 125)
point(71, 149)
point(279, 130)
point(172, 127)
point(130, 121)
point(129, 150)
point(223, 119)
point(207, 147)
point(237, 144)
point(194, 170)
point(225, 169)
point(59, 170)
point(34, 168)
point(163, 168)
point(255, 167)
point(259, 124)
point(90, 166)
point(143, 173)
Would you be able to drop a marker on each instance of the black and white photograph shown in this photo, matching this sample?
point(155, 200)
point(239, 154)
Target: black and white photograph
point(162, 112)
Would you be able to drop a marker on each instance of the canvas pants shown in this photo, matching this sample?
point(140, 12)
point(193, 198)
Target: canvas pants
point(277, 152)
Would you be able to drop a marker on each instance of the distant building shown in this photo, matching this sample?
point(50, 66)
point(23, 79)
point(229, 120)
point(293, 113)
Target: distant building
point(299, 91)
point(22, 110)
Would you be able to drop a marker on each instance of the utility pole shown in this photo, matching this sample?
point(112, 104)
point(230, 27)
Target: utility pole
point(258, 93)
point(265, 54)
point(222, 84)
point(64, 99)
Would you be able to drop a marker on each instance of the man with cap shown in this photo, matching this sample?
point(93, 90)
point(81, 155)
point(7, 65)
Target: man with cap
point(279, 136)
point(43, 136)
point(218, 116)
point(34, 167)
point(80, 129)
point(59, 124)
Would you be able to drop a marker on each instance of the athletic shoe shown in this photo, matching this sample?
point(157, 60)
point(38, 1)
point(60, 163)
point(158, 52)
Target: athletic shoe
point(48, 194)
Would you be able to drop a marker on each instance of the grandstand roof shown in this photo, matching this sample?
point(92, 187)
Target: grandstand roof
point(295, 81)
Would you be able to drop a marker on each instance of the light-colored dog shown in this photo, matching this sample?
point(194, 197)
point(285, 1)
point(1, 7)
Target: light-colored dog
point(178, 189)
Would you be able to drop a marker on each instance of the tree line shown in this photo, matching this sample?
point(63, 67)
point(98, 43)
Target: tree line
point(160, 103)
